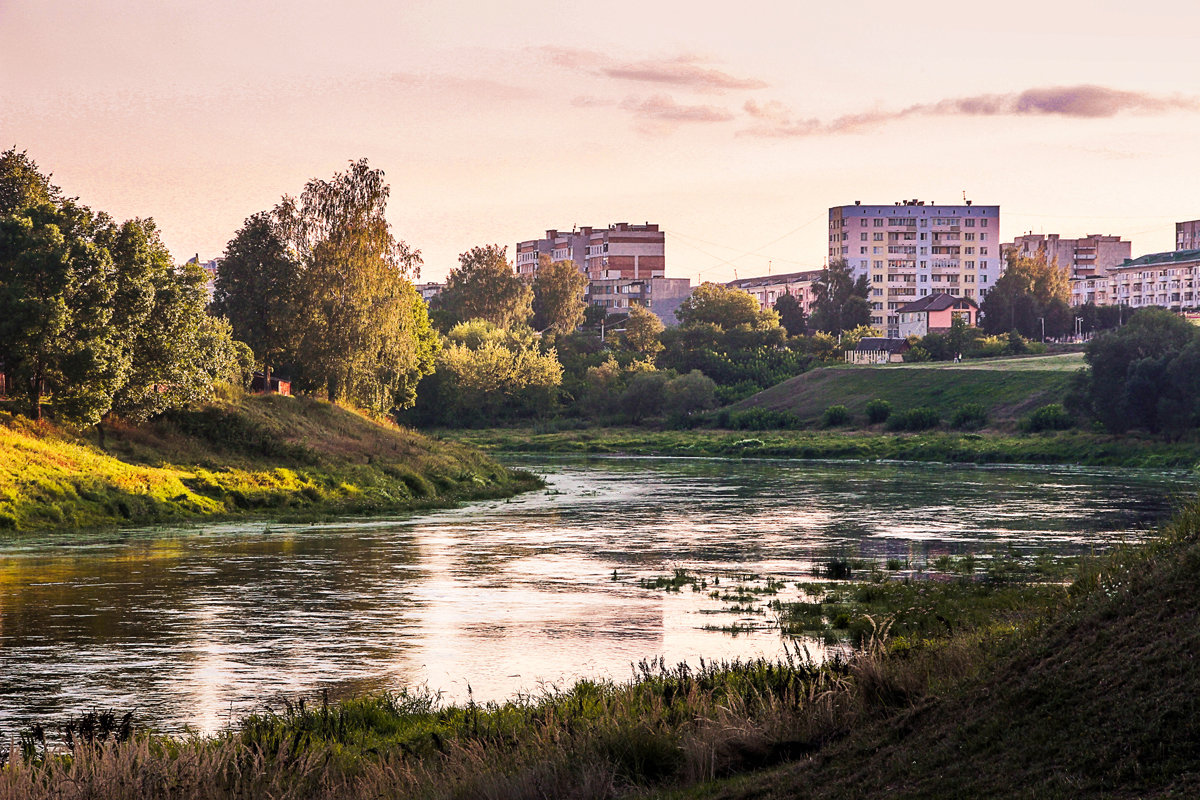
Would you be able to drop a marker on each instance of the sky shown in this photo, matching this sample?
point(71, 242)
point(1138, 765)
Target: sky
point(732, 127)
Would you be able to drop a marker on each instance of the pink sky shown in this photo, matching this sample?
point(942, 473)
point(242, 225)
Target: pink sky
point(734, 131)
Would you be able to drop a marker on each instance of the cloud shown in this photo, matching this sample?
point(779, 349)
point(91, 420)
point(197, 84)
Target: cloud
point(1083, 102)
point(681, 72)
point(662, 108)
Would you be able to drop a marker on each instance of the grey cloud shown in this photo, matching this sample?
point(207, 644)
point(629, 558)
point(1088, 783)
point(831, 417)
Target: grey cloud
point(683, 72)
point(662, 108)
point(1088, 102)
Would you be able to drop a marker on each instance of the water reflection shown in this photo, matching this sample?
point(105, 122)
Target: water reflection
point(191, 626)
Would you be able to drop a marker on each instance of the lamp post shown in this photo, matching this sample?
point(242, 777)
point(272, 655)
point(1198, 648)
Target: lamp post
point(1078, 328)
point(1043, 321)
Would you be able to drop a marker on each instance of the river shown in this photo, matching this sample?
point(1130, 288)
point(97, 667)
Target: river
point(194, 626)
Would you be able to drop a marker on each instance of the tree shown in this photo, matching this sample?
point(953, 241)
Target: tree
point(722, 306)
point(22, 184)
point(642, 331)
point(558, 290)
point(690, 393)
point(484, 286)
point(256, 286)
point(791, 315)
point(1031, 293)
point(840, 301)
point(56, 287)
point(362, 331)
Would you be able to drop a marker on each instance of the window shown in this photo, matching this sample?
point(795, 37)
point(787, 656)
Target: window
point(924, 237)
point(983, 223)
point(970, 223)
point(970, 265)
point(862, 222)
point(876, 250)
point(877, 237)
point(970, 237)
point(983, 251)
point(924, 279)
point(877, 279)
point(878, 222)
point(878, 265)
point(862, 251)
point(983, 237)
point(862, 236)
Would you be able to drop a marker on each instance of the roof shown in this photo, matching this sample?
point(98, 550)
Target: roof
point(875, 343)
point(936, 302)
point(1169, 257)
point(771, 280)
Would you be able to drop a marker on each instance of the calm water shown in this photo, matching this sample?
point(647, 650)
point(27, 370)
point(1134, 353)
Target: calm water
point(189, 626)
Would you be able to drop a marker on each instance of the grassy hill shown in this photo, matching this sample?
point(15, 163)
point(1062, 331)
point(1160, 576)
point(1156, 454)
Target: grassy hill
point(254, 455)
point(1008, 388)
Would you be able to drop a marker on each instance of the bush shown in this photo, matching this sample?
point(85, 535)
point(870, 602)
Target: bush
point(878, 411)
point(1048, 418)
point(760, 419)
point(969, 416)
point(835, 416)
point(915, 419)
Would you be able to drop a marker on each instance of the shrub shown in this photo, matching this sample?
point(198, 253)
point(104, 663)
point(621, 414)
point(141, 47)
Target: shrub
point(878, 411)
point(969, 416)
point(835, 416)
point(1048, 418)
point(762, 419)
point(915, 419)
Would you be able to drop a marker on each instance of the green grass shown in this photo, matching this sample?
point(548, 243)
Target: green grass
point(1061, 447)
point(1007, 389)
point(254, 456)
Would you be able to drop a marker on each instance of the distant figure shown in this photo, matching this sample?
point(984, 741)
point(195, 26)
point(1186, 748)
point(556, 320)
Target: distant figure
point(957, 357)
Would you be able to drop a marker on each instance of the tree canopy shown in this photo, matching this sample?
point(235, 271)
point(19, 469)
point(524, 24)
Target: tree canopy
point(840, 301)
point(723, 306)
point(643, 331)
point(484, 286)
point(558, 291)
point(791, 315)
point(1031, 293)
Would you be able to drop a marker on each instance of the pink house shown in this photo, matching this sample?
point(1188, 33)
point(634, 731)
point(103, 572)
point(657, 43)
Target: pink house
point(935, 314)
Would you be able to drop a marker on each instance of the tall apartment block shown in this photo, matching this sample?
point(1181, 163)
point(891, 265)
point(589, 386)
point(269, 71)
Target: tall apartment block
point(1090, 260)
point(625, 265)
point(912, 249)
point(618, 251)
point(1187, 235)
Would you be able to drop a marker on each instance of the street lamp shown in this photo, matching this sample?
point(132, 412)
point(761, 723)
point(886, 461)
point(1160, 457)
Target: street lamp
point(1078, 328)
point(1043, 321)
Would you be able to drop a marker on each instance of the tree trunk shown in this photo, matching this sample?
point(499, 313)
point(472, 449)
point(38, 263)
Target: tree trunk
point(266, 378)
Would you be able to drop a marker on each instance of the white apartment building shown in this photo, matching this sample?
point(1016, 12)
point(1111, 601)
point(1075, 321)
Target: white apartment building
point(913, 249)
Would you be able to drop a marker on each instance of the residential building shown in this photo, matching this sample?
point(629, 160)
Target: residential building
point(914, 249)
point(660, 295)
point(1170, 280)
point(428, 291)
point(769, 288)
point(210, 269)
point(1187, 235)
point(618, 251)
point(935, 314)
point(1094, 254)
point(878, 350)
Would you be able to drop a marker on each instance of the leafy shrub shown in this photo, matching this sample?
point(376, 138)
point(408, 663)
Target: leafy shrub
point(969, 416)
point(878, 411)
point(761, 419)
point(915, 419)
point(835, 416)
point(1048, 418)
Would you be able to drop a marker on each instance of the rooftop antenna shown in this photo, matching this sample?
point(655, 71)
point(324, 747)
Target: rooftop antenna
point(768, 267)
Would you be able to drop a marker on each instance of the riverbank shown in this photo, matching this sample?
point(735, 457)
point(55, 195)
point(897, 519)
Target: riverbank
point(1061, 447)
point(288, 457)
point(1072, 690)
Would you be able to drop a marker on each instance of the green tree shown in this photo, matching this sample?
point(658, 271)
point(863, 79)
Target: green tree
point(689, 393)
point(22, 184)
point(643, 331)
point(722, 306)
point(56, 288)
point(255, 289)
point(840, 301)
point(558, 289)
point(791, 315)
point(484, 286)
point(1029, 295)
point(362, 331)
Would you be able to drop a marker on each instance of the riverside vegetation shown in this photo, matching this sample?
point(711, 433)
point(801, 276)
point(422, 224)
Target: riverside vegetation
point(247, 455)
point(1095, 674)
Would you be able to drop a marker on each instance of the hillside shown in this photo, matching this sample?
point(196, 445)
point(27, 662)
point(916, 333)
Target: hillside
point(1008, 388)
point(256, 455)
point(1103, 701)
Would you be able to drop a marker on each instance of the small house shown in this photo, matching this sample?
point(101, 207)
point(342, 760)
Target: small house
point(877, 350)
point(277, 386)
point(935, 314)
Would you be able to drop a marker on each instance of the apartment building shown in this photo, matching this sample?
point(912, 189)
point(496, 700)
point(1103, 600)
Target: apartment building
point(1187, 235)
point(1170, 280)
point(622, 250)
point(913, 249)
point(1094, 254)
point(661, 295)
point(769, 288)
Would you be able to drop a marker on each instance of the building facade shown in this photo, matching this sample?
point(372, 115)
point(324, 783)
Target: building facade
point(1170, 280)
point(1187, 235)
point(1094, 254)
point(661, 295)
point(769, 288)
point(618, 251)
point(914, 249)
point(936, 314)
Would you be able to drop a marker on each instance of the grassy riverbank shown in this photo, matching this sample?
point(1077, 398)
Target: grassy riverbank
point(1059, 690)
point(273, 455)
point(1063, 447)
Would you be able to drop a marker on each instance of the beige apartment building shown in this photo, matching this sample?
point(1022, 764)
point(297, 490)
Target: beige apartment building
point(914, 249)
point(769, 288)
point(1187, 235)
point(1170, 280)
point(622, 250)
point(1089, 259)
